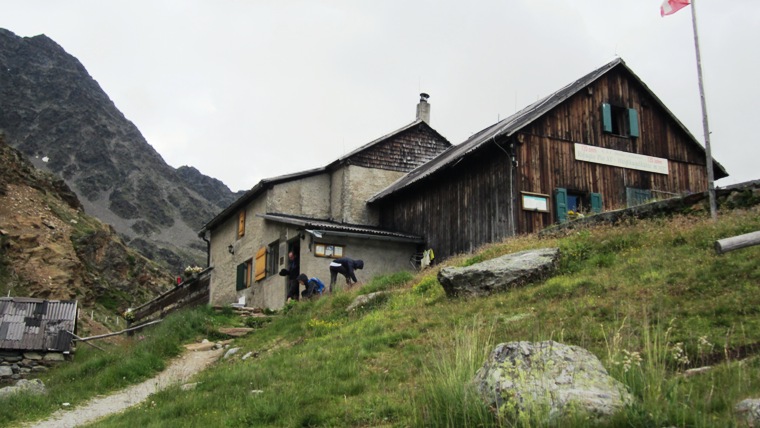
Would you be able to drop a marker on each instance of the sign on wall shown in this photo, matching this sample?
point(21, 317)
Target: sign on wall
point(328, 250)
point(603, 156)
point(535, 202)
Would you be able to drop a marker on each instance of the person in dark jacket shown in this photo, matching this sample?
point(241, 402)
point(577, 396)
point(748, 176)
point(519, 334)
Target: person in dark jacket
point(292, 273)
point(345, 267)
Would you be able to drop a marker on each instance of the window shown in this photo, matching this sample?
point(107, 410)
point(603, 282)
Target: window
point(273, 256)
point(241, 224)
point(244, 275)
point(571, 204)
point(619, 120)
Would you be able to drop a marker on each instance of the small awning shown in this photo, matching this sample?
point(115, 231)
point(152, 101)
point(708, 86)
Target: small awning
point(321, 228)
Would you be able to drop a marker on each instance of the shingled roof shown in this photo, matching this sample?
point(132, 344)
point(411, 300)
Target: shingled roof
point(515, 123)
point(36, 324)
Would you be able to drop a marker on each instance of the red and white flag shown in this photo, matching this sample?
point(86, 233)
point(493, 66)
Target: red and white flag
point(670, 7)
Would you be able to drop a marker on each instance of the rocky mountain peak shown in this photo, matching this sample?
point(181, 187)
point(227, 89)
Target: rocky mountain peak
point(55, 113)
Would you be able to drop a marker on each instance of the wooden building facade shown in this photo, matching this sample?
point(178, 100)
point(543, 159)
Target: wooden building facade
point(602, 142)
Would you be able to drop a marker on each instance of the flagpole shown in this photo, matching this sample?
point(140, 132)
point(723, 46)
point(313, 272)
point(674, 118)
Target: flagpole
point(705, 126)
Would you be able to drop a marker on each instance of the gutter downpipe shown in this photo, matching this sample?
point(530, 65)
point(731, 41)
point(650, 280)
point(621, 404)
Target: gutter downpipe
point(512, 171)
point(208, 250)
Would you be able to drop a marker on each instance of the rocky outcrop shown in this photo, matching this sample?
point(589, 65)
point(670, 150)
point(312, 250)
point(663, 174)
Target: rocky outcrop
point(499, 274)
point(50, 249)
point(55, 113)
point(548, 377)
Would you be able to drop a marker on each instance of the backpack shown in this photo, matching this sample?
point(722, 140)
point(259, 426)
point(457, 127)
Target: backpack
point(320, 286)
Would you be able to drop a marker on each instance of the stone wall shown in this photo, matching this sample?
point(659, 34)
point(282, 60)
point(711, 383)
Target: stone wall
point(16, 365)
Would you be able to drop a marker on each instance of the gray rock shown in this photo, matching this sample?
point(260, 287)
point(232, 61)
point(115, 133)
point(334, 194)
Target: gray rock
point(12, 359)
point(34, 356)
point(54, 356)
point(499, 274)
point(247, 355)
point(6, 371)
point(34, 386)
point(366, 299)
point(551, 377)
point(749, 411)
point(231, 352)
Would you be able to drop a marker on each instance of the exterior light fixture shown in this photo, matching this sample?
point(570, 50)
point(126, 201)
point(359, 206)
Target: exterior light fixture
point(231, 249)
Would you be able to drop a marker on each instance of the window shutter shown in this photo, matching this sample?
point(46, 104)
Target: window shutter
point(240, 284)
point(596, 203)
point(560, 204)
point(637, 196)
point(241, 224)
point(606, 117)
point(633, 118)
point(261, 264)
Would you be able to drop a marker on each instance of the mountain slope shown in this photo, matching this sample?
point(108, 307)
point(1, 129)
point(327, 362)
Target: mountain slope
point(50, 249)
point(54, 112)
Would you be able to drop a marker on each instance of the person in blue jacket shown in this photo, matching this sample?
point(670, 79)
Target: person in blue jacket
point(313, 287)
point(345, 267)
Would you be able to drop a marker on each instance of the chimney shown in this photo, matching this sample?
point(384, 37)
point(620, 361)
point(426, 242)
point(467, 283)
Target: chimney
point(423, 108)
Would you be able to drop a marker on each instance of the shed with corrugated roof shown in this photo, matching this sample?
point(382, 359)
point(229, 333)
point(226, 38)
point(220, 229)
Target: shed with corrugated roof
point(40, 325)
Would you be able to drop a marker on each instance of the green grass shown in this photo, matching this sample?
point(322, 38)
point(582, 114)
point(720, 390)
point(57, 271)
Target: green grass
point(94, 372)
point(649, 298)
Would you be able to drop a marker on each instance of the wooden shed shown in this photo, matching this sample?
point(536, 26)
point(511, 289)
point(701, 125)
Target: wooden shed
point(604, 141)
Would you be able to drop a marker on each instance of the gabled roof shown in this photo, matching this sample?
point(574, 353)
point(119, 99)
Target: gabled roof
point(515, 123)
point(36, 324)
point(324, 228)
point(266, 183)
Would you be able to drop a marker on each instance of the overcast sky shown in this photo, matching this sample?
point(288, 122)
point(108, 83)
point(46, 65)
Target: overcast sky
point(249, 89)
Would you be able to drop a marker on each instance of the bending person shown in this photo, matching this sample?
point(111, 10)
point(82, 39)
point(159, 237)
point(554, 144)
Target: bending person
point(345, 267)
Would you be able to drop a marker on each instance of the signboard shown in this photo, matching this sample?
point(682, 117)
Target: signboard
point(535, 202)
point(622, 159)
point(328, 250)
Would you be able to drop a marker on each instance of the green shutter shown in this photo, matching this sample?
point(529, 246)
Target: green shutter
point(606, 117)
point(240, 284)
point(633, 118)
point(596, 203)
point(560, 204)
point(637, 196)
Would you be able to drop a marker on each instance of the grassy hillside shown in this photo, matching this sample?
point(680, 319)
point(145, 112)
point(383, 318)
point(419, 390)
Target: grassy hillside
point(650, 299)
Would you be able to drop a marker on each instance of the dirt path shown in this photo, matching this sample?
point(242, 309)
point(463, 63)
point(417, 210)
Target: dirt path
point(179, 371)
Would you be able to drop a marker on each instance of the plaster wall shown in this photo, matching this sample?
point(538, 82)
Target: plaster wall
point(380, 257)
point(358, 185)
point(308, 197)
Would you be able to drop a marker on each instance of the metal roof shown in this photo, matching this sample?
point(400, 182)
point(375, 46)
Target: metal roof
point(37, 324)
point(516, 122)
point(326, 228)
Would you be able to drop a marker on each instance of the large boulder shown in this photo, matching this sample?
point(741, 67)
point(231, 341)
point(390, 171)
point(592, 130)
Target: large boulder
point(499, 274)
point(548, 377)
point(748, 411)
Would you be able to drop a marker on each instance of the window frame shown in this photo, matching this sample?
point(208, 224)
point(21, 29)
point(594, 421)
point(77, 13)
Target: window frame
point(273, 256)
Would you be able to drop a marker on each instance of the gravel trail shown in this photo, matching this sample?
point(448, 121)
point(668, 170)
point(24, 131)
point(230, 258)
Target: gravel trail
point(179, 371)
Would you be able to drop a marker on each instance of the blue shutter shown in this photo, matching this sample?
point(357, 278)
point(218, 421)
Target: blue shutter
point(606, 117)
point(560, 204)
point(241, 270)
point(633, 119)
point(596, 203)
